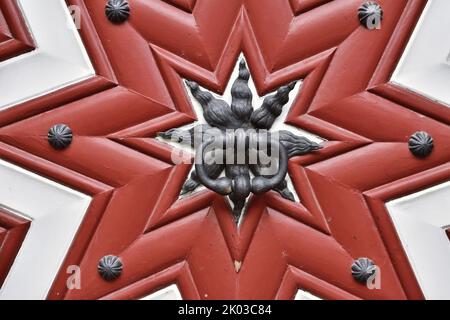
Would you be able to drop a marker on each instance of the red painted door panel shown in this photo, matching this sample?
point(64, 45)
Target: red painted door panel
point(193, 242)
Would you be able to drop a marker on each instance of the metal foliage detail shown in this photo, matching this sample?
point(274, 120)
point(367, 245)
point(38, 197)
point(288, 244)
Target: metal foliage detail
point(258, 161)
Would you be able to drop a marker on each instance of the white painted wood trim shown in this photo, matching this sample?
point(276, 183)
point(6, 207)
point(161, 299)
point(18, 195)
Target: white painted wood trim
point(421, 220)
point(56, 213)
point(424, 66)
point(305, 295)
point(169, 293)
point(59, 59)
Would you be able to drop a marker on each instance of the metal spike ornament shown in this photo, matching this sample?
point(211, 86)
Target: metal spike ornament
point(249, 130)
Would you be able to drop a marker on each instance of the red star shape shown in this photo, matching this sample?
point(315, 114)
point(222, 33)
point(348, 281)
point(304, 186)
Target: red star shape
point(281, 245)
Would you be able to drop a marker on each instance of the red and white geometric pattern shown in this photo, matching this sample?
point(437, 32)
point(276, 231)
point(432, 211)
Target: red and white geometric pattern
point(281, 247)
point(12, 232)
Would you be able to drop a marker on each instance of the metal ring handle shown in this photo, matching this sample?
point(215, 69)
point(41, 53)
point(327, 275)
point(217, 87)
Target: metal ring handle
point(222, 186)
point(262, 184)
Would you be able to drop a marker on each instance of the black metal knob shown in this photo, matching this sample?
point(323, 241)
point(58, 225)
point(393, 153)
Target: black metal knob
point(421, 144)
point(60, 136)
point(363, 269)
point(117, 11)
point(370, 15)
point(110, 267)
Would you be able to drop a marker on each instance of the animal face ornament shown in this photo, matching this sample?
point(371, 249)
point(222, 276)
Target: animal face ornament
point(237, 152)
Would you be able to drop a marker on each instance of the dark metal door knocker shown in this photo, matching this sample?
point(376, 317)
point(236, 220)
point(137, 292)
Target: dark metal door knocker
point(248, 131)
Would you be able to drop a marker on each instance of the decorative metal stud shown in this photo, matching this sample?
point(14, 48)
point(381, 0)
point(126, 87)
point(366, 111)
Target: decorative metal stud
point(363, 269)
point(370, 15)
point(117, 11)
point(60, 136)
point(110, 267)
point(421, 144)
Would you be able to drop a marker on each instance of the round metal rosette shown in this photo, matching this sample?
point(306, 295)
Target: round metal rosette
point(110, 267)
point(363, 269)
point(421, 144)
point(117, 11)
point(370, 15)
point(60, 136)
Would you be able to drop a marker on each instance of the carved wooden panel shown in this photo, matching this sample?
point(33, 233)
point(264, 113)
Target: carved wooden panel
point(346, 98)
point(15, 38)
point(12, 232)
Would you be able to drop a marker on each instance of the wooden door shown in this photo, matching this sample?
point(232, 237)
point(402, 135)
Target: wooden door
point(90, 190)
